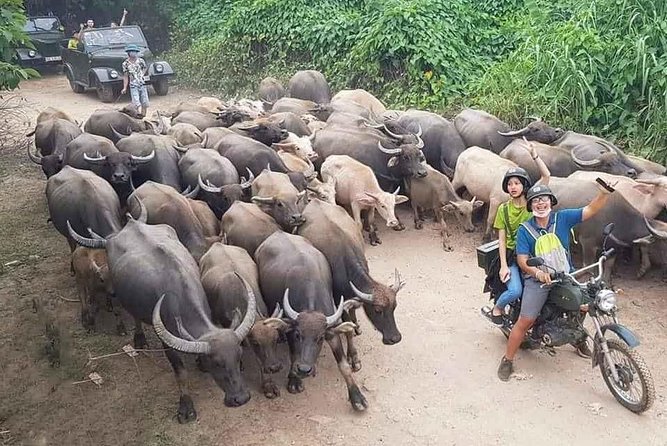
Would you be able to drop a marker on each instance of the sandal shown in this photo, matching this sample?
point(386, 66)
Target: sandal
point(498, 320)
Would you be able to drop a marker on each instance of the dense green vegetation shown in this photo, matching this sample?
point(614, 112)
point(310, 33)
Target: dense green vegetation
point(596, 66)
point(12, 18)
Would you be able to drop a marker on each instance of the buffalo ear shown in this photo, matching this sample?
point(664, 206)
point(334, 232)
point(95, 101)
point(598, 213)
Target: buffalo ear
point(477, 204)
point(449, 207)
point(345, 327)
point(401, 199)
point(646, 189)
point(277, 324)
point(352, 304)
point(367, 200)
point(393, 161)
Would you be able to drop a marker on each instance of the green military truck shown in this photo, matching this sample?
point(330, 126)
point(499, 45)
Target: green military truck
point(46, 35)
point(97, 62)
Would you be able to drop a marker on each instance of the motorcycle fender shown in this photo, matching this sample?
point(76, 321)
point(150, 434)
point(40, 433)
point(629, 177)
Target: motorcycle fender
point(622, 332)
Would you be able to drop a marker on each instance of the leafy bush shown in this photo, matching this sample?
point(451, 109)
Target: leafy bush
point(12, 36)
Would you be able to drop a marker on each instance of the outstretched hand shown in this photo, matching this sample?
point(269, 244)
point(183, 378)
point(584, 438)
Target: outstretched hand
point(528, 145)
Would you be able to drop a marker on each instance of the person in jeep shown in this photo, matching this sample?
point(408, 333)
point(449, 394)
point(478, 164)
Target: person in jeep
point(544, 223)
point(134, 70)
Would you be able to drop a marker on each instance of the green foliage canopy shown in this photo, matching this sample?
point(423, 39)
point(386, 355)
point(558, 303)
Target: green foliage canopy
point(12, 19)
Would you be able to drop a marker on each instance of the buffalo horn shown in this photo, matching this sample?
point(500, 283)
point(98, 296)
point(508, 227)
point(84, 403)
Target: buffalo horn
point(373, 126)
point(143, 159)
point(310, 173)
point(390, 133)
point(95, 235)
point(34, 158)
point(208, 187)
point(249, 125)
point(277, 313)
point(175, 342)
point(268, 200)
point(364, 297)
point(247, 183)
point(331, 320)
point(396, 191)
point(242, 330)
point(389, 151)
point(420, 141)
point(84, 241)
point(513, 133)
point(187, 193)
point(289, 311)
point(204, 139)
point(160, 125)
point(116, 133)
point(180, 148)
point(419, 132)
point(98, 158)
point(143, 212)
point(656, 232)
point(581, 162)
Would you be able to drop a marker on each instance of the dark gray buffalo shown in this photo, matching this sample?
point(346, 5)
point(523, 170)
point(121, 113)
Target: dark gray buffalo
point(295, 273)
point(51, 139)
point(157, 281)
point(351, 277)
point(201, 120)
point(270, 90)
point(83, 199)
point(291, 122)
point(309, 85)
point(247, 154)
point(247, 226)
point(101, 123)
point(442, 143)
point(222, 268)
point(390, 162)
point(302, 107)
point(164, 205)
point(263, 130)
point(481, 129)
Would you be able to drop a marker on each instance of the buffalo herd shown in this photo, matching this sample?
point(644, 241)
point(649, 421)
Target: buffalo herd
point(242, 224)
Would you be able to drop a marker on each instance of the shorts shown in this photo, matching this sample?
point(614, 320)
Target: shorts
point(139, 96)
point(533, 298)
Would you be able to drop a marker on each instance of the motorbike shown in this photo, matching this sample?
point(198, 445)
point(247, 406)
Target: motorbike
point(561, 322)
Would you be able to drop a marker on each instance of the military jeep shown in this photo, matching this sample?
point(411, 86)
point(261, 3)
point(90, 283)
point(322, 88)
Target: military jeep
point(97, 62)
point(46, 34)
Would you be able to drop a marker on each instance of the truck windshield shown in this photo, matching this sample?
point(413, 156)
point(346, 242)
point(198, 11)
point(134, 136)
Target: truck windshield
point(37, 24)
point(119, 36)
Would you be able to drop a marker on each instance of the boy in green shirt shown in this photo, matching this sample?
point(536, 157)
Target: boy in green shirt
point(509, 216)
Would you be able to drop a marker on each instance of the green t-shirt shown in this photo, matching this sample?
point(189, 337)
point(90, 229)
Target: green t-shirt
point(517, 215)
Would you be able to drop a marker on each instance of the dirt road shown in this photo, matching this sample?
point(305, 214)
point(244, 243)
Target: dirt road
point(437, 387)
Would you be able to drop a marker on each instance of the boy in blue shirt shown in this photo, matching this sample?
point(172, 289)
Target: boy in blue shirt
point(540, 201)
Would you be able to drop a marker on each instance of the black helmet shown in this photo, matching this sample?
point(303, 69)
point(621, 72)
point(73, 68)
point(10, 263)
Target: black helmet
point(537, 191)
point(519, 173)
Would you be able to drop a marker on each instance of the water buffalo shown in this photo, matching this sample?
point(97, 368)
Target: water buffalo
point(363, 98)
point(51, 139)
point(101, 123)
point(201, 120)
point(83, 199)
point(557, 159)
point(247, 226)
point(209, 222)
point(390, 162)
point(164, 205)
point(302, 107)
point(50, 113)
point(270, 90)
point(261, 129)
point(481, 129)
point(309, 85)
point(93, 283)
point(349, 269)
point(158, 282)
point(185, 133)
point(357, 190)
point(435, 192)
point(649, 167)
point(248, 154)
point(222, 268)
point(442, 143)
point(294, 272)
point(275, 194)
point(291, 122)
point(213, 105)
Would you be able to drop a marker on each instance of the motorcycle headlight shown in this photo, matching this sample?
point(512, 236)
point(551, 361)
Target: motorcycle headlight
point(159, 68)
point(32, 53)
point(606, 300)
point(113, 74)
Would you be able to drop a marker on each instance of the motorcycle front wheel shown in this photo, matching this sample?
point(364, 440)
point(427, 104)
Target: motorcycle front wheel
point(634, 388)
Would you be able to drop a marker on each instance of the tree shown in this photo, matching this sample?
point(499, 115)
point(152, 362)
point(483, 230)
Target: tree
point(12, 19)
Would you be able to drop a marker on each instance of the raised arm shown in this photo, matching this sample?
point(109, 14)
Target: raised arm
point(599, 201)
point(122, 20)
point(545, 175)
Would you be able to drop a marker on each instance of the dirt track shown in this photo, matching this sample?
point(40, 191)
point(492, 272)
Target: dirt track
point(437, 387)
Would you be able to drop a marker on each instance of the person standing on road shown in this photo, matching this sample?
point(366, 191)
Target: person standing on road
point(540, 201)
point(509, 216)
point(134, 70)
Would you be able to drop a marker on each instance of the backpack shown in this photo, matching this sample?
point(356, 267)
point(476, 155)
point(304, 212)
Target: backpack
point(548, 247)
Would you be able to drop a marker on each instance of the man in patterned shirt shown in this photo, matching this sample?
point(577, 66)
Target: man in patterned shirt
point(134, 70)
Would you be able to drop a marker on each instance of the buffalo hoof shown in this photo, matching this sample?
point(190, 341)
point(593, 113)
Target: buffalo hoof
point(88, 321)
point(140, 341)
point(121, 330)
point(641, 273)
point(374, 239)
point(419, 224)
point(186, 410)
point(357, 330)
point(354, 361)
point(357, 398)
point(447, 248)
point(270, 390)
point(294, 384)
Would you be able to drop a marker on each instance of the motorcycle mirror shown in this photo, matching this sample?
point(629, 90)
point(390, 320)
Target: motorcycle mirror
point(535, 261)
point(608, 229)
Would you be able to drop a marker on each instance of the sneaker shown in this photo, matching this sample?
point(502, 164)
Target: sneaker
point(505, 369)
point(583, 349)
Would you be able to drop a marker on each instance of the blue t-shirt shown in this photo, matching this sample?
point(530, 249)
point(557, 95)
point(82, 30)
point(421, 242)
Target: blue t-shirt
point(566, 220)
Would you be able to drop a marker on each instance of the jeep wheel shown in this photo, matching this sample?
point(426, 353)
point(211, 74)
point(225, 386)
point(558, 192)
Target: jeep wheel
point(105, 92)
point(76, 88)
point(161, 87)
